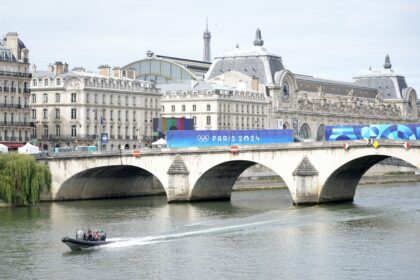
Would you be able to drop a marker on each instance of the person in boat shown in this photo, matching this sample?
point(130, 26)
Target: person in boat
point(89, 235)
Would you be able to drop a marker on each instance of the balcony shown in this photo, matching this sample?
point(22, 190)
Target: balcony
point(69, 137)
point(15, 74)
point(19, 124)
point(13, 138)
point(15, 106)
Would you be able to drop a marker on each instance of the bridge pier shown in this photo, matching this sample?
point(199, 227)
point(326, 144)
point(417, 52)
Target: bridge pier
point(306, 184)
point(178, 181)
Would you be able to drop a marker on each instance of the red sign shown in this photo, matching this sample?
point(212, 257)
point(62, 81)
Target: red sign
point(234, 149)
point(406, 146)
point(346, 146)
point(136, 153)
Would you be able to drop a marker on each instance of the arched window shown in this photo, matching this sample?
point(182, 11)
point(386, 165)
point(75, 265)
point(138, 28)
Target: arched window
point(320, 134)
point(305, 131)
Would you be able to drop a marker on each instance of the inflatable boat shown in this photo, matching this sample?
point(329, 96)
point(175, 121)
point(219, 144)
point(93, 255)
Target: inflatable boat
point(86, 240)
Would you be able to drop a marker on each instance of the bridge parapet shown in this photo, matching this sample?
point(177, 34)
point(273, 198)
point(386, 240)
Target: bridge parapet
point(313, 171)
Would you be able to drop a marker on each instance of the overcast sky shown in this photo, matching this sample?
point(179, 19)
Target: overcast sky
point(328, 39)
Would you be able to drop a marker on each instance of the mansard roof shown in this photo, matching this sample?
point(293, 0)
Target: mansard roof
point(256, 62)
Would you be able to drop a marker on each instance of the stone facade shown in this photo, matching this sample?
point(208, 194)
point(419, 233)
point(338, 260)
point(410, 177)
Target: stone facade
point(73, 108)
point(306, 104)
point(15, 126)
point(214, 107)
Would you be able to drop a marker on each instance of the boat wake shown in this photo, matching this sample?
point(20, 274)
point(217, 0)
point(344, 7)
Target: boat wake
point(153, 239)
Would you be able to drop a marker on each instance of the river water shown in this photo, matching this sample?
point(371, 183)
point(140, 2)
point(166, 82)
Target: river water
point(256, 235)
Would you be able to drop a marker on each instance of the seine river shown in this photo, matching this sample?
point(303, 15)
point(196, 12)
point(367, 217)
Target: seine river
point(256, 235)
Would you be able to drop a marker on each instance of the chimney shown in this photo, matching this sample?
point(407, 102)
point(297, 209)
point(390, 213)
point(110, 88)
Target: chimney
point(50, 68)
point(254, 83)
point(33, 68)
point(12, 43)
point(131, 73)
point(58, 68)
point(104, 70)
point(117, 72)
point(66, 67)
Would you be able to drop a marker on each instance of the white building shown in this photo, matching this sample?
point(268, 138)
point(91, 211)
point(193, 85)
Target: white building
point(14, 89)
point(80, 108)
point(215, 107)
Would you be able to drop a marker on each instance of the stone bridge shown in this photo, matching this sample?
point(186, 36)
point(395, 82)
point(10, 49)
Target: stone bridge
point(316, 172)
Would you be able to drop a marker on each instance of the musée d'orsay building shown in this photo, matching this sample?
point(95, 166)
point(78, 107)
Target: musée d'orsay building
point(238, 82)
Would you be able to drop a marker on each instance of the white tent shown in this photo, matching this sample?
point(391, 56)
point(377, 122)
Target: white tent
point(28, 149)
point(3, 148)
point(159, 143)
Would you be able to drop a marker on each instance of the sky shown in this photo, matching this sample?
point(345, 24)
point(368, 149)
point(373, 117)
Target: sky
point(327, 39)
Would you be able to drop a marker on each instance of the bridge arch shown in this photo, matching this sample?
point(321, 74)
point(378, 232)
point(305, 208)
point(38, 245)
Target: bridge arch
point(110, 182)
point(341, 184)
point(217, 182)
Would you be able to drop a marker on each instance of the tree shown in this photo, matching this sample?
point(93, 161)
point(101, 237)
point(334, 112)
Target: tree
point(22, 179)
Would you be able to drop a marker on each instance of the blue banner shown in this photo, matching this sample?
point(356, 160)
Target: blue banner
point(210, 138)
point(373, 131)
point(104, 138)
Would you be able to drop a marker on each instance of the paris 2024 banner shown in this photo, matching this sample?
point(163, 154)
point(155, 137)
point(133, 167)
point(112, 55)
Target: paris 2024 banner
point(373, 131)
point(210, 138)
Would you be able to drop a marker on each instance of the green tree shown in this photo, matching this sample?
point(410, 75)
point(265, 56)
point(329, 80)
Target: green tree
point(22, 179)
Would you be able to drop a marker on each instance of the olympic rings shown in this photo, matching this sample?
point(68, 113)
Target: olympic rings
point(203, 138)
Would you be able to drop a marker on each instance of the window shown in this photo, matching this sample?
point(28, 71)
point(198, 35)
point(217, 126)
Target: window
point(45, 114)
point(194, 108)
point(126, 100)
point(57, 130)
point(58, 82)
point(111, 99)
point(73, 114)
point(111, 115)
point(34, 82)
point(57, 98)
point(208, 107)
point(119, 115)
point(45, 98)
point(33, 114)
point(87, 114)
point(103, 99)
point(126, 116)
point(96, 98)
point(183, 108)
point(173, 108)
point(46, 82)
point(45, 131)
point(73, 97)
point(134, 116)
point(119, 100)
point(33, 98)
point(87, 98)
point(73, 131)
point(57, 113)
point(195, 120)
point(208, 122)
point(163, 108)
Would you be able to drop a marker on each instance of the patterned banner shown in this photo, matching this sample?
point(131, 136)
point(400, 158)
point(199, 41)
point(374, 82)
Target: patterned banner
point(374, 131)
